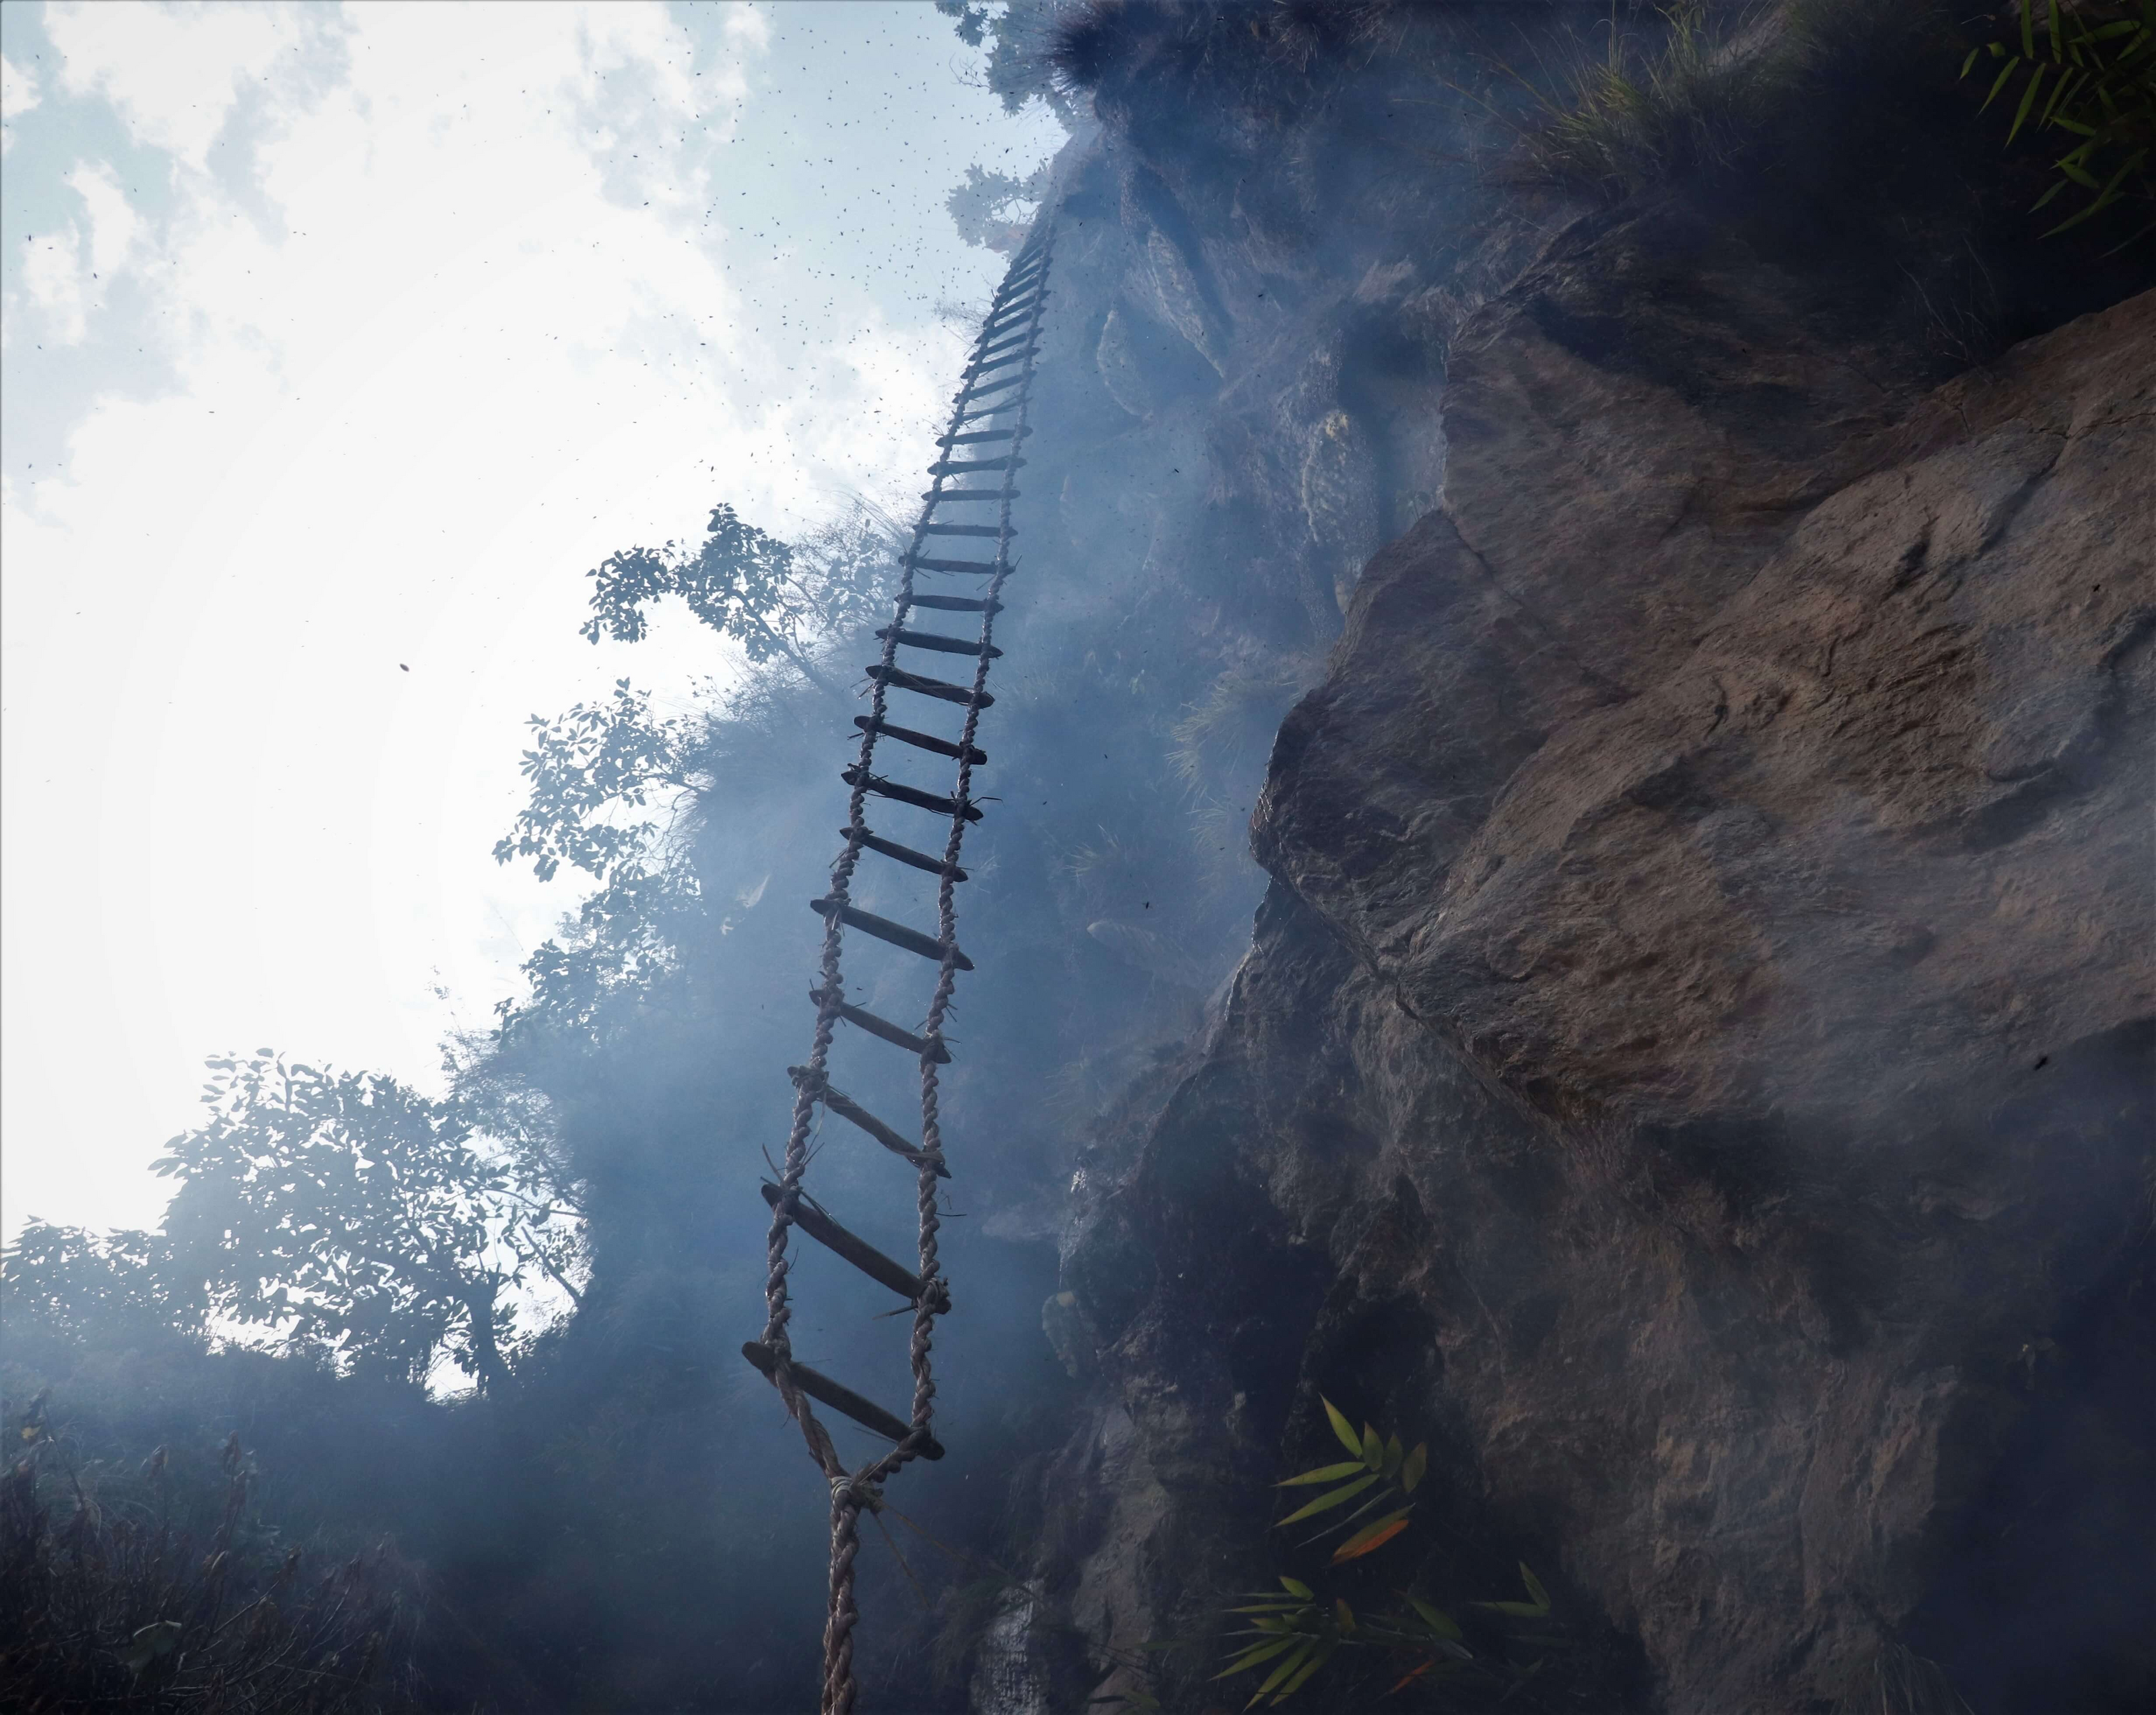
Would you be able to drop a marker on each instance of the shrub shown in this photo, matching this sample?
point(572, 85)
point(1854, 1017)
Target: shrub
point(1250, 52)
point(152, 1593)
point(1646, 112)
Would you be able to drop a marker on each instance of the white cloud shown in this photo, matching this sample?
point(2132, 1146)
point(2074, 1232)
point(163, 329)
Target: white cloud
point(54, 278)
point(113, 224)
point(173, 73)
point(19, 95)
point(67, 282)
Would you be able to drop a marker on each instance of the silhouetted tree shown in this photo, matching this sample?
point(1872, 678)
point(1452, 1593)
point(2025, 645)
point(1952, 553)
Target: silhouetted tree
point(115, 1288)
point(986, 208)
point(587, 766)
point(778, 600)
point(1019, 37)
point(360, 1220)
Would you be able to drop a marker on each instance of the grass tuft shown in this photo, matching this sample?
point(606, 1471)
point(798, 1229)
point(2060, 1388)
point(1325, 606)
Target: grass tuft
point(145, 1591)
point(1654, 107)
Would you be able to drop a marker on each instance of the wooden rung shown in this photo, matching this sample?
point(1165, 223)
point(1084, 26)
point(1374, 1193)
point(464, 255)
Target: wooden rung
point(999, 408)
point(902, 853)
point(982, 353)
point(864, 1255)
point(842, 1399)
point(1016, 315)
point(897, 934)
point(918, 741)
point(956, 604)
point(890, 1033)
point(975, 388)
point(989, 366)
point(924, 562)
point(958, 467)
point(851, 1111)
point(978, 435)
point(898, 679)
point(1018, 280)
point(941, 802)
point(973, 494)
point(988, 530)
point(937, 641)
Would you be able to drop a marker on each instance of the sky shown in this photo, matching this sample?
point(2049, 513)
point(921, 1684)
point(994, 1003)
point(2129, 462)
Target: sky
point(336, 344)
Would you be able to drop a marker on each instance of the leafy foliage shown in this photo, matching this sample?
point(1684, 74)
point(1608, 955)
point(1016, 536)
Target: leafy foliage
point(777, 599)
point(79, 1284)
point(1019, 36)
point(1379, 1464)
point(982, 208)
point(360, 1221)
point(620, 943)
point(586, 766)
point(2096, 79)
point(1294, 1631)
point(595, 772)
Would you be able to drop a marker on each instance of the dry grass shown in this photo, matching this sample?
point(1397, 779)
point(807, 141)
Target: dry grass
point(1257, 52)
point(1683, 97)
point(124, 1602)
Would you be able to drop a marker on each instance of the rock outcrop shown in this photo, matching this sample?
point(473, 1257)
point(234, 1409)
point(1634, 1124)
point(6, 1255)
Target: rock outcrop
point(1694, 1059)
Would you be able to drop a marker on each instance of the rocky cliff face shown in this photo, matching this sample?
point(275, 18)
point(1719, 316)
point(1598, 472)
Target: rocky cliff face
point(1694, 1060)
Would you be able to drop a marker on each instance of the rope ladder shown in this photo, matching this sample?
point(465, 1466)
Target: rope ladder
point(975, 472)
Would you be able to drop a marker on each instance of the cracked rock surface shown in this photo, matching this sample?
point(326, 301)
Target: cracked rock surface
point(1695, 1057)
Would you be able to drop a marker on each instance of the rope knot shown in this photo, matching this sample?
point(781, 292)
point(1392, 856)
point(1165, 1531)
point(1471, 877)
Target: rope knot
point(862, 1495)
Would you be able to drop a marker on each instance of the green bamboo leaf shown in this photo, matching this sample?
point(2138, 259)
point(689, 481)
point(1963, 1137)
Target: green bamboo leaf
point(1381, 1497)
point(1436, 1619)
point(1281, 1672)
point(1970, 61)
point(1373, 1449)
point(2105, 197)
point(2072, 80)
point(1372, 1536)
point(1524, 1611)
point(1263, 1652)
point(1295, 1587)
point(1345, 1614)
point(1341, 1427)
point(1325, 1503)
point(1412, 1468)
point(1323, 1474)
point(2028, 29)
point(2058, 34)
point(2028, 100)
point(1393, 1455)
point(2000, 83)
point(1324, 1655)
